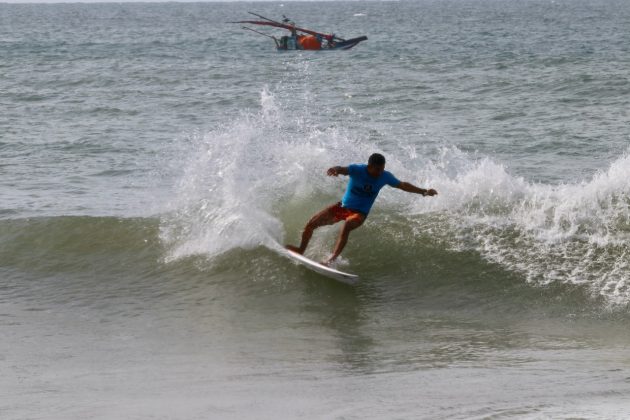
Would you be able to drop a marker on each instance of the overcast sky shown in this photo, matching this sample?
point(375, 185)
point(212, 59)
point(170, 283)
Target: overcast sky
point(122, 1)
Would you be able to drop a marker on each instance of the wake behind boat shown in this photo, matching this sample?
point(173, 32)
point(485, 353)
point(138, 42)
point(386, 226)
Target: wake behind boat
point(301, 38)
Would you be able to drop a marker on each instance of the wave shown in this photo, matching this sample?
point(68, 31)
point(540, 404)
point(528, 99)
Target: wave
point(66, 244)
point(101, 261)
point(255, 180)
point(248, 186)
point(94, 260)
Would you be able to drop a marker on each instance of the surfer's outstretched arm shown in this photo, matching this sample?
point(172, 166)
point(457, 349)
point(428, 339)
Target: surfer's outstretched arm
point(337, 170)
point(408, 187)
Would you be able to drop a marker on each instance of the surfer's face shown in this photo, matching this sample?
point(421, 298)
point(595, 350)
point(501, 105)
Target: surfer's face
point(375, 170)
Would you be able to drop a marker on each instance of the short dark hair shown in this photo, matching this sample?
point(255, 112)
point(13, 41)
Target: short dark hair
point(376, 159)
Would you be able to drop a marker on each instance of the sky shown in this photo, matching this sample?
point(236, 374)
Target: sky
point(122, 1)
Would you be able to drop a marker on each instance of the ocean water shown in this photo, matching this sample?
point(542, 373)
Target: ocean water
point(153, 159)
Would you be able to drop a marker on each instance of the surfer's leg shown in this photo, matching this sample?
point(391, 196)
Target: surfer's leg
point(323, 218)
point(348, 226)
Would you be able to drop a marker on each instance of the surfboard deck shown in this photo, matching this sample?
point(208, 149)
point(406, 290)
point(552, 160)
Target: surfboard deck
point(322, 269)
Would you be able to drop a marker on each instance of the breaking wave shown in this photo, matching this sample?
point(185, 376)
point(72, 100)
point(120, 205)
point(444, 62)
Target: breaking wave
point(255, 180)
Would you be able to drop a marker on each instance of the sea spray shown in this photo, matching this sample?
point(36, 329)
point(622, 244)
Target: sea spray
point(236, 175)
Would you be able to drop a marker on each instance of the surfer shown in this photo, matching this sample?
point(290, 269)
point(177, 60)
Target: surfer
point(365, 183)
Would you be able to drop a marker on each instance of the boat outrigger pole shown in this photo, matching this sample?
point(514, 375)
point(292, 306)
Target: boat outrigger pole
point(306, 31)
point(260, 33)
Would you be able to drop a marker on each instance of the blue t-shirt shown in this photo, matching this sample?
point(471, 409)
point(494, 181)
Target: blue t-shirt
point(362, 188)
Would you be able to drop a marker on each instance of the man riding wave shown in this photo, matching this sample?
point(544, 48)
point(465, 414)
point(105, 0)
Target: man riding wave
point(365, 183)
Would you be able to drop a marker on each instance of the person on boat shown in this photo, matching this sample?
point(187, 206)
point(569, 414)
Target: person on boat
point(331, 41)
point(292, 43)
point(295, 38)
point(283, 43)
point(365, 183)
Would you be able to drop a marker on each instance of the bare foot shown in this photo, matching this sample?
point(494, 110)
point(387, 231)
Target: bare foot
point(294, 249)
point(328, 262)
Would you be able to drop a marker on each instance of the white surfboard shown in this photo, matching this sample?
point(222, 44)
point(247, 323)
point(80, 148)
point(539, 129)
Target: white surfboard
point(323, 270)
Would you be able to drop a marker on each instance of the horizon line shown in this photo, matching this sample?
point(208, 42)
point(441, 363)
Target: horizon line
point(35, 2)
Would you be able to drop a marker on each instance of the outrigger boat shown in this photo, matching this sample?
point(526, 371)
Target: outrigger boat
point(300, 38)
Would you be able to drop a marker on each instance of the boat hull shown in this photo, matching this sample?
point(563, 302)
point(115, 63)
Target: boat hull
point(288, 44)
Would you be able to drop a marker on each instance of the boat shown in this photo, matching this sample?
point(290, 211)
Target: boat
point(300, 38)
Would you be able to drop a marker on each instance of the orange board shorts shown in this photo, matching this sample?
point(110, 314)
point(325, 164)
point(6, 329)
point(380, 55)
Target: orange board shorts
point(340, 213)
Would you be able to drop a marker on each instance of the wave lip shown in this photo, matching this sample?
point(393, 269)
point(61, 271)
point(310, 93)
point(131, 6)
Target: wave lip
point(571, 233)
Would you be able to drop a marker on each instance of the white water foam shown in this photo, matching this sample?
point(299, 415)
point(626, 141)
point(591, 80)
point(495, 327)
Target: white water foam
point(573, 233)
point(235, 175)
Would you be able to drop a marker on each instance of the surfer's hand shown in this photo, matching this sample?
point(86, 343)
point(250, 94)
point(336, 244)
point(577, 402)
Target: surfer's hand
point(334, 171)
point(430, 192)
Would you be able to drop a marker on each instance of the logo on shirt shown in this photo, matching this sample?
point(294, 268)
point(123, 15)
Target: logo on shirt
point(366, 190)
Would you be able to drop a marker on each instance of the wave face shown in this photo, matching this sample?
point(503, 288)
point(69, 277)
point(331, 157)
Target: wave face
point(256, 180)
